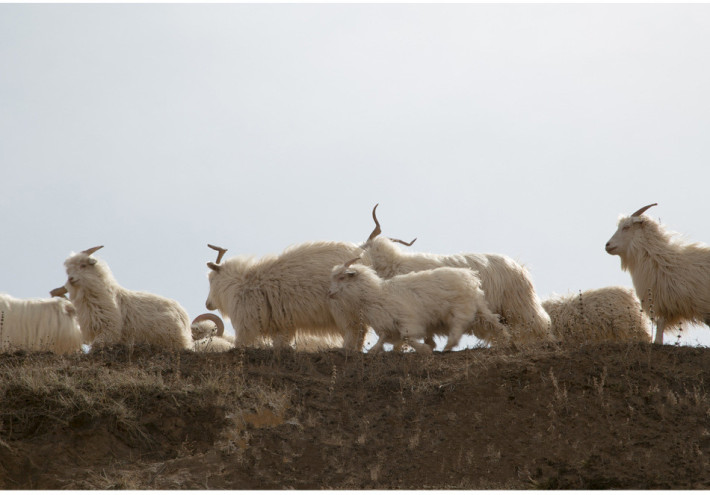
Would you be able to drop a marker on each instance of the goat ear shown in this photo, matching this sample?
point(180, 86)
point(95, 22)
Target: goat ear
point(350, 273)
point(214, 266)
point(637, 219)
point(92, 261)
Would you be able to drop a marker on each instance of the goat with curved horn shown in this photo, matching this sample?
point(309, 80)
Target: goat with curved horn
point(220, 252)
point(208, 339)
point(213, 318)
point(638, 212)
point(673, 292)
point(506, 283)
point(283, 298)
point(110, 314)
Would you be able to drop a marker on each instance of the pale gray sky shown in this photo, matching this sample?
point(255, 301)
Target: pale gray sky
point(519, 129)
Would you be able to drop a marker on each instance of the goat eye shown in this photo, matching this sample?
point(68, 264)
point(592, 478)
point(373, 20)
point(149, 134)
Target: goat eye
point(83, 265)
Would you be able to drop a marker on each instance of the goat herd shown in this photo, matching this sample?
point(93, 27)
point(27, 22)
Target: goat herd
point(334, 292)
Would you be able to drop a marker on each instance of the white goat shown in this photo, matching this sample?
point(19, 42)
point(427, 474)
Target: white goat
point(406, 307)
point(38, 325)
point(208, 325)
point(282, 297)
point(208, 334)
point(608, 314)
point(508, 287)
point(110, 314)
point(671, 276)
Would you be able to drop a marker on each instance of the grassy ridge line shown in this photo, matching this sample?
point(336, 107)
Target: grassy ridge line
point(597, 416)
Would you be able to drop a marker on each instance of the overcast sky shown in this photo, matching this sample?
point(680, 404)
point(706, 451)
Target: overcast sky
point(516, 129)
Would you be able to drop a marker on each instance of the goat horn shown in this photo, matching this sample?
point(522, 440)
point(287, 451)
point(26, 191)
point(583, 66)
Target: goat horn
point(213, 318)
point(377, 230)
point(348, 263)
point(402, 242)
point(92, 250)
point(219, 250)
point(58, 292)
point(641, 210)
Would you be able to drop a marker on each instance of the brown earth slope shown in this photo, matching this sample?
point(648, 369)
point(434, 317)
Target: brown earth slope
point(597, 416)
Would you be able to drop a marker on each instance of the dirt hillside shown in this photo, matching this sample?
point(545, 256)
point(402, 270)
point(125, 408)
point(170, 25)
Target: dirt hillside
point(597, 416)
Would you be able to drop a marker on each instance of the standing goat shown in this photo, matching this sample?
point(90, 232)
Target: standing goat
point(110, 314)
point(406, 307)
point(671, 276)
point(608, 314)
point(508, 287)
point(282, 297)
point(38, 325)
